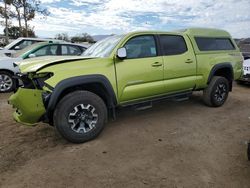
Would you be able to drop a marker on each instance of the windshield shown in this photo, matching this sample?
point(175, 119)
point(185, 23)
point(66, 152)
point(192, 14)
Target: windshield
point(104, 47)
point(19, 53)
point(12, 43)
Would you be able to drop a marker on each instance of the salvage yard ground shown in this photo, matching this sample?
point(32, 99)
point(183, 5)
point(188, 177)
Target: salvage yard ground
point(173, 144)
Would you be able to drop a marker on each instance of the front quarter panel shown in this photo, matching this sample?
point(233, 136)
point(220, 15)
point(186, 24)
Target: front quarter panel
point(62, 71)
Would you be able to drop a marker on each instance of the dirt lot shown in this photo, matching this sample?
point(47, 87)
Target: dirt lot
point(173, 144)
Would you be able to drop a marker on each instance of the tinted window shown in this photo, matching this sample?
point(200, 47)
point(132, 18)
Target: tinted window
point(173, 44)
point(140, 47)
point(47, 50)
point(214, 44)
point(70, 50)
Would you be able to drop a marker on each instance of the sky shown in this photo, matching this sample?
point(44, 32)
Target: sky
point(98, 17)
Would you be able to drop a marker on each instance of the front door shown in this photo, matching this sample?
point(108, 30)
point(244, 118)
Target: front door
point(140, 75)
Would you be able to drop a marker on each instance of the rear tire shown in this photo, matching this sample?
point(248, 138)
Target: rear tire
point(80, 116)
point(215, 95)
point(7, 82)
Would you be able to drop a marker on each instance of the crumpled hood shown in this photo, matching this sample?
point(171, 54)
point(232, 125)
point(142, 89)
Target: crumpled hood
point(35, 64)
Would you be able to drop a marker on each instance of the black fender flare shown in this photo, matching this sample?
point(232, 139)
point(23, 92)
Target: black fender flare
point(220, 66)
point(78, 81)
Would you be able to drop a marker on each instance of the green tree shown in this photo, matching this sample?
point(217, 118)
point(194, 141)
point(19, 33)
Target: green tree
point(17, 4)
point(62, 36)
point(30, 8)
point(14, 32)
point(6, 13)
point(85, 37)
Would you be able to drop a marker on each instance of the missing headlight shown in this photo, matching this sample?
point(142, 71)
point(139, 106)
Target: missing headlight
point(25, 80)
point(40, 79)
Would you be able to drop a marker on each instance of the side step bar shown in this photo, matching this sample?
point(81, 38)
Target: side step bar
point(177, 97)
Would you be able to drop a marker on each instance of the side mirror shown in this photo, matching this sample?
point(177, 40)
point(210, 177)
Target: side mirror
point(17, 48)
point(122, 53)
point(32, 55)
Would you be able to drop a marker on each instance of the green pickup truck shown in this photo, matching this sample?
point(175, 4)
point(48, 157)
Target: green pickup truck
point(78, 94)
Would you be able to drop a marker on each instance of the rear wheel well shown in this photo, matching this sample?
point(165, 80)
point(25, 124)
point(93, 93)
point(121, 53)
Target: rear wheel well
point(225, 72)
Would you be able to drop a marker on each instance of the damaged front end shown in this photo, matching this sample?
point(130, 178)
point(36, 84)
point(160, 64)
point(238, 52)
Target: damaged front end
point(30, 100)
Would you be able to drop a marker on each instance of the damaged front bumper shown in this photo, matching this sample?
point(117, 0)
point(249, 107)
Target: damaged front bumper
point(29, 105)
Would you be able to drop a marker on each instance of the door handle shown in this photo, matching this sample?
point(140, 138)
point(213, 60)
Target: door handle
point(189, 61)
point(156, 64)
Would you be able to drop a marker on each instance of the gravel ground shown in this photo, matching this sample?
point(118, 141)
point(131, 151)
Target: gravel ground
point(173, 144)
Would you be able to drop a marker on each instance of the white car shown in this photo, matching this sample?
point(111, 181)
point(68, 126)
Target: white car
point(246, 69)
point(8, 65)
point(20, 44)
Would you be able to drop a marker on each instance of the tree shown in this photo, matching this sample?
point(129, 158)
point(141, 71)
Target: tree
point(30, 8)
point(23, 10)
point(14, 32)
point(17, 4)
point(85, 37)
point(62, 36)
point(5, 13)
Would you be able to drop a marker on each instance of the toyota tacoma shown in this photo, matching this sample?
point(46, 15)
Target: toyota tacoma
point(77, 95)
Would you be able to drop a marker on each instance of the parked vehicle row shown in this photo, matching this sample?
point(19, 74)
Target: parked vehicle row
point(20, 44)
point(78, 94)
point(9, 65)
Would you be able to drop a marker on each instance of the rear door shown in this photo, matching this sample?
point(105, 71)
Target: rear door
point(179, 62)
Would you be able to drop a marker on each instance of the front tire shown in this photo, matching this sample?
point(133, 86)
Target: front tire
point(7, 82)
point(215, 95)
point(80, 116)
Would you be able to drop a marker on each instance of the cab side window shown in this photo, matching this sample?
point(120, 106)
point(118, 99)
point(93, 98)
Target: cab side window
point(173, 44)
point(141, 47)
point(214, 44)
point(47, 50)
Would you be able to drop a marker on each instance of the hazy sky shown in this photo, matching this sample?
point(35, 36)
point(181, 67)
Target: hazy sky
point(120, 16)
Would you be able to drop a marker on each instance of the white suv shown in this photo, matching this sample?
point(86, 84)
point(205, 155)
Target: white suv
point(20, 44)
point(246, 69)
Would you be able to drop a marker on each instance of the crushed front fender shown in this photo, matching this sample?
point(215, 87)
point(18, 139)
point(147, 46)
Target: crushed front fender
point(28, 104)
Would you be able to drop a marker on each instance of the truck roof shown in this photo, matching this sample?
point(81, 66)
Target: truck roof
point(203, 32)
point(206, 32)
